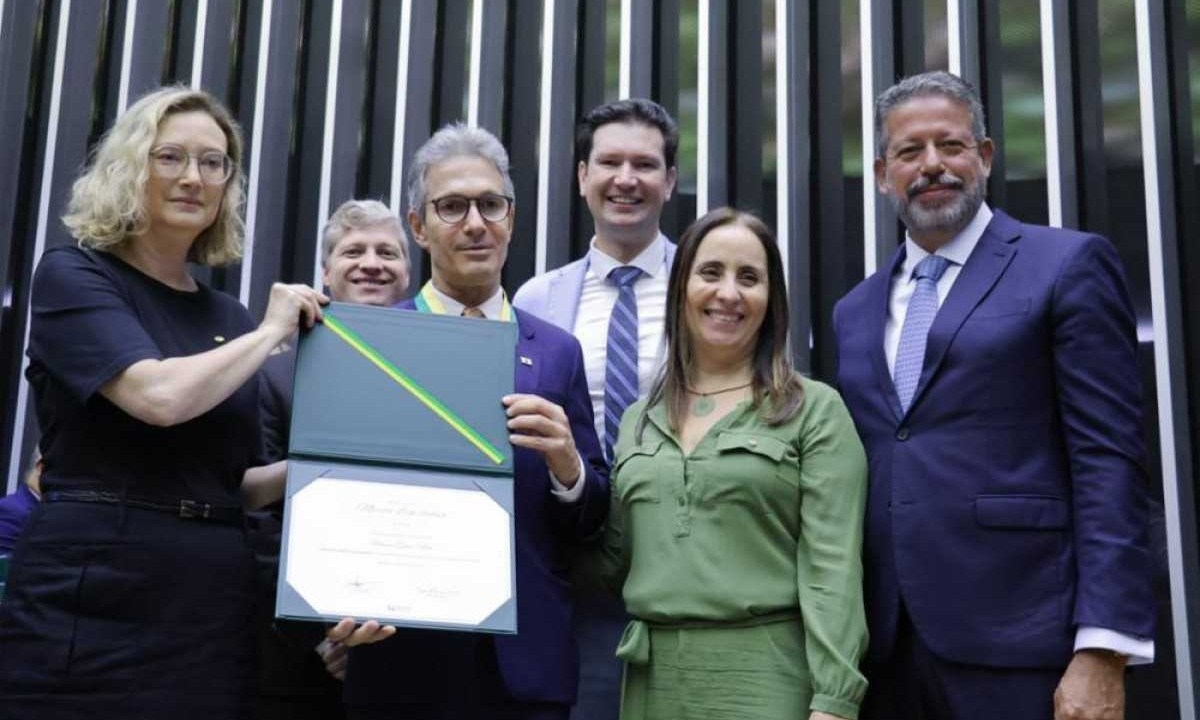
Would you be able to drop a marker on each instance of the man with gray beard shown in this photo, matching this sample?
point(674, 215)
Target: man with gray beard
point(990, 369)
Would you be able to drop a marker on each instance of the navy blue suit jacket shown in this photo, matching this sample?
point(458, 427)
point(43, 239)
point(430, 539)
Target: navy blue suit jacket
point(541, 662)
point(1008, 506)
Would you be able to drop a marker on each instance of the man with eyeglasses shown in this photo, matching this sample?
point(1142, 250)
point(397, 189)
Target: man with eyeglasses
point(991, 371)
point(613, 300)
point(461, 212)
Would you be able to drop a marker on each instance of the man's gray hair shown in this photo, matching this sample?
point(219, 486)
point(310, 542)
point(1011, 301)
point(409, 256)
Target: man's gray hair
point(354, 215)
point(454, 140)
point(938, 82)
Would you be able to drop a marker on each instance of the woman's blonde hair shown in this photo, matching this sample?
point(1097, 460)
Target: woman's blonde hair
point(108, 202)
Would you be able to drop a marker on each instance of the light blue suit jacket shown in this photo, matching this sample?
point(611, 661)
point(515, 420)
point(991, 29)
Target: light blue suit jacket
point(554, 296)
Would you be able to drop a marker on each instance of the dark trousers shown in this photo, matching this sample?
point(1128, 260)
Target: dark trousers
point(294, 707)
point(475, 691)
point(915, 684)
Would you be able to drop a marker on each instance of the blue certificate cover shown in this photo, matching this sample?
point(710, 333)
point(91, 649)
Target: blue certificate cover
point(399, 490)
point(345, 406)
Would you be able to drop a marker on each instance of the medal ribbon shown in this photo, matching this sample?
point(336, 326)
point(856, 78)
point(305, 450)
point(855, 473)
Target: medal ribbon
point(427, 301)
point(424, 396)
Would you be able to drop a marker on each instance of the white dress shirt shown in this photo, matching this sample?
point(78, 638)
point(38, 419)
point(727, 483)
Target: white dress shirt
point(1139, 650)
point(491, 310)
point(598, 297)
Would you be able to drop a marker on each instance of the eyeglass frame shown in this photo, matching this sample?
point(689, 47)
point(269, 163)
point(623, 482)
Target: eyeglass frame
point(183, 168)
point(473, 202)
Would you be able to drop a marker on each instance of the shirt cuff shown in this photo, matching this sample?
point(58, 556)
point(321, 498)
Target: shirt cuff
point(1140, 650)
point(561, 492)
point(840, 707)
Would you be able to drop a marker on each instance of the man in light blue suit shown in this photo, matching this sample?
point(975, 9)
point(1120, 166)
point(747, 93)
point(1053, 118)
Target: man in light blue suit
point(626, 155)
point(990, 369)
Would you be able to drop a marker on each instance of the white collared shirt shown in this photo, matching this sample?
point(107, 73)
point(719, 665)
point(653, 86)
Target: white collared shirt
point(598, 297)
point(490, 307)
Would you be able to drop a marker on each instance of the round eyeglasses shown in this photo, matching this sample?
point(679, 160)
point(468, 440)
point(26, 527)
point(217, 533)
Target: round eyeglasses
point(171, 161)
point(453, 209)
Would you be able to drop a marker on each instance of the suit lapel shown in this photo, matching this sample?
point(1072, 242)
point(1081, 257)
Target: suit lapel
point(878, 302)
point(983, 268)
point(562, 299)
point(527, 366)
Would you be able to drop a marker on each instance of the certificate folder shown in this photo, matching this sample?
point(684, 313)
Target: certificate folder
point(346, 407)
point(399, 490)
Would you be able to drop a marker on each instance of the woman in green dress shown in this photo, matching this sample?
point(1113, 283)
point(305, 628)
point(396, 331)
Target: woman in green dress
point(738, 494)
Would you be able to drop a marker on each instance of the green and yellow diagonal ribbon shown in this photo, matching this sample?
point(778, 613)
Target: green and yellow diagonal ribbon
point(424, 396)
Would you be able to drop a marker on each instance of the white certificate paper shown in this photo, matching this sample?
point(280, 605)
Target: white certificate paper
point(399, 553)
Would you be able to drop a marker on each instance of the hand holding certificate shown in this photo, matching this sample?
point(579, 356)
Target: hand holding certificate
point(400, 482)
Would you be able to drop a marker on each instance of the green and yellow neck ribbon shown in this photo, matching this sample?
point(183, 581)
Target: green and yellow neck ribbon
point(421, 394)
point(428, 301)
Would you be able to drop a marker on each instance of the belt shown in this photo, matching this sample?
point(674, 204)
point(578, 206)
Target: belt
point(187, 509)
point(635, 641)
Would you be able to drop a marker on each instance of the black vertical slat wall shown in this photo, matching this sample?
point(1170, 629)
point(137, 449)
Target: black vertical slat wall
point(335, 95)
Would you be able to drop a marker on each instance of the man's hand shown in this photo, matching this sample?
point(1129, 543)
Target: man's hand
point(1092, 688)
point(538, 424)
point(818, 715)
point(345, 635)
point(346, 632)
point(334, 655)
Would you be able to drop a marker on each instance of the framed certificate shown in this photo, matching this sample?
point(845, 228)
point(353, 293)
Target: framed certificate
point(399, 501)
point(403, 546)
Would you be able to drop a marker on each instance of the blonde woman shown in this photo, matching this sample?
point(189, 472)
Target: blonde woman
point(130, 592)
point(738, 494)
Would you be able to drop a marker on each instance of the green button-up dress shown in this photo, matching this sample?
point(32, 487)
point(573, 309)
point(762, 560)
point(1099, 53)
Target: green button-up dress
point(740, 564)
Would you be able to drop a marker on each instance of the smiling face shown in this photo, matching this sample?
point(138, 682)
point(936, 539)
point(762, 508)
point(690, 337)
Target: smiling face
point(625, 182)
point(727, 294)
point(934, 172)
point(182, 207)
point(466, 257)
point(368, 266)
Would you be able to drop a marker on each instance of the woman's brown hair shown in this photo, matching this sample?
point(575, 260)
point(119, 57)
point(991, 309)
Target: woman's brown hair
point(776, 387)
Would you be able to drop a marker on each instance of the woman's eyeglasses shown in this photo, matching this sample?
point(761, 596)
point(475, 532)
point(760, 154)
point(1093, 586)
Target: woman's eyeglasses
point(171, 161)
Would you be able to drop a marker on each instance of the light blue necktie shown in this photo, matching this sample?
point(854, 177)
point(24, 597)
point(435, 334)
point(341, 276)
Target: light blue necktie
point(621, 364)
point(922, 307)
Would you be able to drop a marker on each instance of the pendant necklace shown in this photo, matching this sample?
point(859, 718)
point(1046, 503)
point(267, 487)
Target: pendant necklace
point(705, 404)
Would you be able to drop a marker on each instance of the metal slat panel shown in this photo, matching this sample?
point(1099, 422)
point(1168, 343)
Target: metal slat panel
point(145, 41)
point(78, 31)
point(637, 49)
point(880, 234)
point(346, 116)
point(1058, 87)
point(522, 114)
point(275, 28)
point(712, 136)
point(488, 64)
point(794, 149)
point(333, 56)
point(555, 136)
point(415, 88)
point(1171, 376)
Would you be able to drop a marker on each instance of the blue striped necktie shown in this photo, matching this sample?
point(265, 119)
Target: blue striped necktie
point(621, 363)
point(922, 308)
